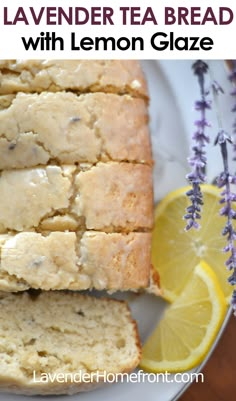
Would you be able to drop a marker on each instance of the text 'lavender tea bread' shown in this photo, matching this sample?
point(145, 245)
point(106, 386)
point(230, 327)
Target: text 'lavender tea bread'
point(76, 196)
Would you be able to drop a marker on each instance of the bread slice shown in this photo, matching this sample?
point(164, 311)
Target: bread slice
point(76, 261)
point(109, 76)
point(63, 336)
point(66, 128)
point(111, 197)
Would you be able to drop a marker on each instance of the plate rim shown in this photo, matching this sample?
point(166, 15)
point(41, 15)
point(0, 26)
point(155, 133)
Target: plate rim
point(199, 368)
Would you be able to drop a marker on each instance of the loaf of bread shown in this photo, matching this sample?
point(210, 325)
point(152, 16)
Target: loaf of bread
point(76, 261)
point(54, 343)
point(65, 128)
point(76, 213)
point(82, 76)
point(76, 195)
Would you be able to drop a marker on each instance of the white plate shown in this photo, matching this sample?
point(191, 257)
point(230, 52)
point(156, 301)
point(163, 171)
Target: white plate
point(173, 89)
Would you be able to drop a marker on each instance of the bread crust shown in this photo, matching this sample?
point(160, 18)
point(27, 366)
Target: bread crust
point(109, 76)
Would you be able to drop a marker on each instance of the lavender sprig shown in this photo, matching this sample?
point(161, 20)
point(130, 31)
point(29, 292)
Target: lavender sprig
point(232, 78)
point(198, 159)
point(224, 180)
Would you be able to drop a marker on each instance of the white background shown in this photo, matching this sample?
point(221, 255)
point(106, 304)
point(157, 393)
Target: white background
point(11, 45)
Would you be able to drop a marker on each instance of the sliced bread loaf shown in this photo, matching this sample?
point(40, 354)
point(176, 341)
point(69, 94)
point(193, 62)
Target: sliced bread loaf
point(71, 161)
point(63, 343)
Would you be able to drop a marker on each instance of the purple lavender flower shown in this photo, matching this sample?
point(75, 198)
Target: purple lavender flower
point(198, 158)
point(198, 163)
point(228, 198)
point(224, 180)
point(232, 78)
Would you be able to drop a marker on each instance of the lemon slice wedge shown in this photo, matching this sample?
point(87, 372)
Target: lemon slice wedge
point(175, 252)
point(189, 326)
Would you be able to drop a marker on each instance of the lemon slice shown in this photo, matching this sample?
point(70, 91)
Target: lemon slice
point(175, 252)
point(189, 326)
